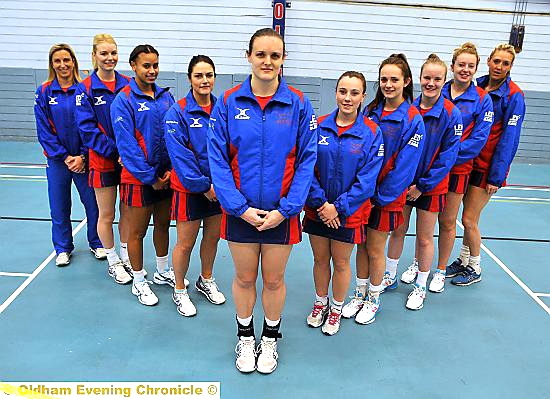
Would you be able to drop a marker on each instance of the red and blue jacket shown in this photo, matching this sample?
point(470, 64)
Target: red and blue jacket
point(262, 158)
point(443, 127)
point(55, 125)
point(497, 155)
point(476, 108)
point(93, 103)
point(346, 169)
point(138, 123)
point(403, 133)
point(185, 133)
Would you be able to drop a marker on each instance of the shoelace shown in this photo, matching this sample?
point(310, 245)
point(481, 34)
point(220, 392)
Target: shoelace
point(413, 268)
point(268, 348)
point(418, 291)
point(246, 348)
point(210, 286)
point(317, 309)
point(333, 318)
point(143, 287)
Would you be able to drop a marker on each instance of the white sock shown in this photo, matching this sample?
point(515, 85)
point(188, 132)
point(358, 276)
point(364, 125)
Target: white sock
point(422, 278)
point(272, 323)
point(391, 266)
point(464, 255)
point(245, 322)
point(124, 252)
point(139, 277)
point(362, 285)
point(374, 290)
point(162, 264)
point(182, 291)
point(112, 256)
point(475, 263)
point(321, 299)
point(337, 305)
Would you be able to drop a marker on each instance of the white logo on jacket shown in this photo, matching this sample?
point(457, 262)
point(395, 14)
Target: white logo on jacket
point(323, 140)
point(35, 98)
point(415, 140)
point(381, 150)
point(143, 107)
point(211, 122)
point(78, 99)
point(242, 113)
point(99, 100)
point(53, 101)
point(513, 121)
point(458, 129)
point(313, 123)
point(196, 122)
point(488, 116)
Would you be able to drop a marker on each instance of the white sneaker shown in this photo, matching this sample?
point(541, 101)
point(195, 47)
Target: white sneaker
point(184, 305)
point(332, 323)
point(144, 293)
point(368, 314)
point(63, 259)
point(166, 277)
point(246, 355)
point(438, 281)
point(415, 301)
point(267, 355)
point(99, 253)
point(210, 289)
point(351, 308)
point(119, 273)
point(318, 315)
point(409, 275)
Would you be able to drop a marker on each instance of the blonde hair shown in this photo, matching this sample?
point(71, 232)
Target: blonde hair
point(98, 39)
point(433, 59)
point(54, 49)
point(504, 47)
point(466, 48)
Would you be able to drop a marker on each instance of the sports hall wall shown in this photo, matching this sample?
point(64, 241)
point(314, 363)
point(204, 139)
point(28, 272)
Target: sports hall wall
point(323, 39)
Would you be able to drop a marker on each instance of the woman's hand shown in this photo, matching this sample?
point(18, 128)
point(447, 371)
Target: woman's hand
point(490, 189)
point(272, 219)
point(413, 194)
point(211, 194)
point(254, 216)
point(327, 212)
point(75, 164)
point(162, 182)
point(334, 223)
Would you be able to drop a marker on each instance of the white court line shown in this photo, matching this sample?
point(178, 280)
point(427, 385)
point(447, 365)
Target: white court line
point(29, 279)
point(23, 166)
point(9, 274)
point(21, 177)
point(525, 188)
point(521, 198)
point(543, 295)
point(511, 274)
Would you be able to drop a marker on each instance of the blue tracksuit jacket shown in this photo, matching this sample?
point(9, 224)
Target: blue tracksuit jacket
point(262, 158)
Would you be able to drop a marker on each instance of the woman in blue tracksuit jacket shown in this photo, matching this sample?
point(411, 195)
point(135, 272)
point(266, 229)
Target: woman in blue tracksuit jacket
point(403, 132)
point(93, 103)
point(349, 157)
point(262, 149)
point(137, 114)
point(492, 164)
point(443, 126)
point(194, 199)
point(66, 155)
point(476, 107)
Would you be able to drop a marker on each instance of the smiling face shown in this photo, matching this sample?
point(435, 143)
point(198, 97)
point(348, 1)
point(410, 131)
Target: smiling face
point(392, 82)
point(106, 56)
point(266, 58)
point(349, 96)
point(202, 79)
point(500, 64)
point(146, 68)
point(62, 64)
point(432, 80)
point(464, 68)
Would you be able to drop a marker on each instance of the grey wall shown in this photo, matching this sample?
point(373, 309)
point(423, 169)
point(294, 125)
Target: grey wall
point(17, 94)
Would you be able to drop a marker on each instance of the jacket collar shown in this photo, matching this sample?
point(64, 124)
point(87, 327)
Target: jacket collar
point(469, 95)
point(157, 90)
point(397, 116)
point(501, 91)
point(282, 94)
point(437, 108)
point(356, 130)
point(98, 84)
point(192, 105)
point(56, 87)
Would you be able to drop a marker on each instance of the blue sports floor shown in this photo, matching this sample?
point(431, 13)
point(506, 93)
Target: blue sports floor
point(489, 340)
